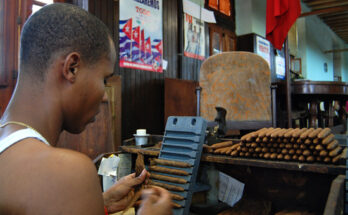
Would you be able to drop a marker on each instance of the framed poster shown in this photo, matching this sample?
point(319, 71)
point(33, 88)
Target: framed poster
point(194, 38)
point(141, 35)
point(263, 48)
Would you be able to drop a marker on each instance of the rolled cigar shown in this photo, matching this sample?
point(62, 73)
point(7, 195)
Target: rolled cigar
point(261, 155)
point(253, 145)
point(262, 134)
point(336, 159)
point(262, 144)
point(167, 186)
point(287, 157)
point(273, 156)
point(221, 145)
point(286, 140)
point(176, 205)
point(319, 159)
point(335, 152)
point(256, 133)
point(281, 145)
point(247, 154)
point(332, 145)
point(314, 133)
point(171, 163)
point(327, 159)
point(251, 150)
point(234, 153)
point(254, 155)
point(304, 135)
point(292, 140)
point(279, 140)
point(328, 139)
point(219, 150)
point(295, 157)
point(306, 152)
point(272, 140)
point(301, 158)
point(288, 145)
point(168, 170)
point(295, 146)
point(275, 145)
point(316, 141)
point(265, 139)
point(292, 151)
point(244, 149)
point(264, 149)
point(302, 146)
point(168, 178)
point(228, 151)
point(176, 197)
point(297, 133)
point(276, 133)
point(319, 147)
point(244, 137)
point(266, 155)
point(239, 148)
point(284, 151)
point(299, 141)
point(269, 145)
point(298, 151)
point(207, 149)
point(315, 153)
point(287, 134)
point(272, 150)
point(242, 154)
point(323, 153)
point(258, 149)
point(279, 150)
point(251, 137)
point(271, 131)
point(280, 156)
point(258, 140)
point(310, 159)
point(307, 141)
point(311, 147)
point(248, 145)
point(324, 133)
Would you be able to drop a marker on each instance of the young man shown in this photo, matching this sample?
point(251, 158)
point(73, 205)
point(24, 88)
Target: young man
point(66, 55)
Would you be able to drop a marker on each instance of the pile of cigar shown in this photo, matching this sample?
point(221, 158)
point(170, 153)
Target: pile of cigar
point(175, 175)
point(304, 145)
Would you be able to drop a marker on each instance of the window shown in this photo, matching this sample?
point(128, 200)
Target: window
point(221, 39)
point(223, 6)
point(38, 4)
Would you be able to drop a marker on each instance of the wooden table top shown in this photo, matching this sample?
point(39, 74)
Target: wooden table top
point(319, 87)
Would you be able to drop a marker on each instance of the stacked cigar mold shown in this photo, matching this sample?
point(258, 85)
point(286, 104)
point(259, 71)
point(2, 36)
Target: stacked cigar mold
point(303, 145)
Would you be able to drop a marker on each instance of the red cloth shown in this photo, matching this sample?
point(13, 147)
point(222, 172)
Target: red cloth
point(106, 211)
point(280, 16)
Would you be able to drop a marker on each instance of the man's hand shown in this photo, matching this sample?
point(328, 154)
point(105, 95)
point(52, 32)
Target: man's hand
point(155, 200)
point(117, 197)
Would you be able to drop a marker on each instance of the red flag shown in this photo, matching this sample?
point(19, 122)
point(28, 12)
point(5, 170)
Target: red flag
point(148, 45)
point(280, 16)
point(142, 39)
point(159, 47)
point(136, 35)
point(127, 28)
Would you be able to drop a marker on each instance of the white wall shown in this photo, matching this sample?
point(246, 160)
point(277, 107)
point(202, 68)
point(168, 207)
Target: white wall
point(314, 37)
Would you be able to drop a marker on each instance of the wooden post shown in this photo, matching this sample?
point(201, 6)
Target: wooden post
point(288, 83)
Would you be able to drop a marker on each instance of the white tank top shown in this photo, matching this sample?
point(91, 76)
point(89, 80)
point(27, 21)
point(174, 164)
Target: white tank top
point(19, 135)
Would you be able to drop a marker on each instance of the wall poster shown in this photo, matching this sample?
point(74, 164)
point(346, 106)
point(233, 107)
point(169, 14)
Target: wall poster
point(140, 35)
point(194, 38)
point(263, 48)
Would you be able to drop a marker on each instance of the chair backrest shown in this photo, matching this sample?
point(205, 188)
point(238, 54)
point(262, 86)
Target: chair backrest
point(240, 83)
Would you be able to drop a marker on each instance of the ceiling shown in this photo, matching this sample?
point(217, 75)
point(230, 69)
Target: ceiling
point(333, 12)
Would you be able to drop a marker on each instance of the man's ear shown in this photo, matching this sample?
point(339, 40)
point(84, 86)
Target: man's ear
point(71, 66)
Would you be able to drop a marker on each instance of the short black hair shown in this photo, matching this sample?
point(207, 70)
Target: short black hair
point(62, 28)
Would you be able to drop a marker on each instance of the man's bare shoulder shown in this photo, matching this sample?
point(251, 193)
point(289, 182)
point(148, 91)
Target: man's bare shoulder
point(49, 177)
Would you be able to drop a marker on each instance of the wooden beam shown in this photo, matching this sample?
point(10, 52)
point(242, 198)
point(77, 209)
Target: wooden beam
point(313, 3)
point(325, 11)
point(335, 50)
point(329, 5)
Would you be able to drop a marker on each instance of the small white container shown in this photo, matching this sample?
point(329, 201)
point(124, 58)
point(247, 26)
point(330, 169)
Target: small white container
point(141, 137)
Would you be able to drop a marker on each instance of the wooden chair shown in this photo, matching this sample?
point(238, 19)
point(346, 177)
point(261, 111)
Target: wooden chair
point(239, 82)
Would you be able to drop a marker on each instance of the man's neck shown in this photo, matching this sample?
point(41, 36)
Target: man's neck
point(36, 110)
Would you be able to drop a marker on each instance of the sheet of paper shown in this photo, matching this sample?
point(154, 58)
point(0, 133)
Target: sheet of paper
point(230, 189)
point(165, 64)
point(108, 181)
point(198, 12)
point(108, 166)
